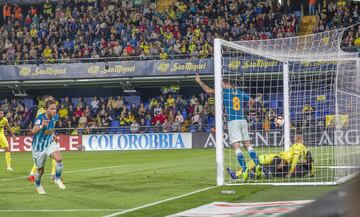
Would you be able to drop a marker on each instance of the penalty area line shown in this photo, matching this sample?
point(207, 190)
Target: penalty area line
point(72, 171)
point(159, 202)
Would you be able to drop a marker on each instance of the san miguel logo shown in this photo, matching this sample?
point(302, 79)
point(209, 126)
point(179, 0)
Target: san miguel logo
point(248, 64)
point(163, 67)
point(259, 64)
point(235, 64)
point(93, 69)
point(25, 71)
point(189, 66)
point(49, 71)
point(120, 69)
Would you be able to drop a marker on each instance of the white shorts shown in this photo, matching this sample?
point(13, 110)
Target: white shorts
point(39, 157)
point(238, 131)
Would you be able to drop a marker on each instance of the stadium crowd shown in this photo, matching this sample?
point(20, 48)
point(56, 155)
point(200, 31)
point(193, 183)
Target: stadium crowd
point(104, 29)
point(107, 29)
point(91, 29)
point(162, 114)
point(166, 113)
point(338, 15)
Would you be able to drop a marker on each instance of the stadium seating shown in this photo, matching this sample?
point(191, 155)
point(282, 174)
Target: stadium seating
point(176, 28)
point(182, 30)
point(274, 101)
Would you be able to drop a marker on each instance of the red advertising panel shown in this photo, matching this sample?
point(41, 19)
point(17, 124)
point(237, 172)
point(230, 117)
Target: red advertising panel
point(23, 143)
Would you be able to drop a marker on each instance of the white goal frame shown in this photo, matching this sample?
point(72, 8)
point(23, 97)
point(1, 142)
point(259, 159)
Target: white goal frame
point(220, 180)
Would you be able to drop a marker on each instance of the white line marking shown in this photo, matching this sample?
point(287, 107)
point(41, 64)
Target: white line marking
point(159, 202)
point(352, 94)
point(60, 210)
point(72, 171)
point(338, 167)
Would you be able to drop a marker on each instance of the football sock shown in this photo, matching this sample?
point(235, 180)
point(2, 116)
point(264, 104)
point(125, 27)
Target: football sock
point(241, 159)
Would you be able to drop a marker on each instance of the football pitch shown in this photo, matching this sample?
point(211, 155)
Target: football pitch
point(131, 183)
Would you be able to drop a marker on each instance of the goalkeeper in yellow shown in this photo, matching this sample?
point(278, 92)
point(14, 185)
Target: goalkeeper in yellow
point(295, 162)
point(3, 142)
point(41, 110)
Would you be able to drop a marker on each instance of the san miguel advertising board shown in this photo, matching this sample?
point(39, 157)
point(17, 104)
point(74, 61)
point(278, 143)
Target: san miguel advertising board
point(106, 70)
point(146, 68)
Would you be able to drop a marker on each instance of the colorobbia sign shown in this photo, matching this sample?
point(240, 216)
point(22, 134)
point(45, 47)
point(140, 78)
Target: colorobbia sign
point(153, 141)
point(108, 142)
point(145, 141)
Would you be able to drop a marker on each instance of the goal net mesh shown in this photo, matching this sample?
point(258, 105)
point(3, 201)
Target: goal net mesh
point(318, 100)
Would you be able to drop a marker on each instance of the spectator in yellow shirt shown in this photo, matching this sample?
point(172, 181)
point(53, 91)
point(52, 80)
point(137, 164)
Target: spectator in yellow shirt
point(163, 54)
point(145, 47)
point(307, 108)
point(33, 32)
point(63, 112)
point(129, 119)
point(47, 52)
point(15, 128)
point(192, 47)
point(153, 103)
point(357, 42)
point(204, 53)
point(170, 102)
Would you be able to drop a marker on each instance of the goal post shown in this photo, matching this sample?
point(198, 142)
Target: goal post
point(309, 82)
point(286, 93)
point(218, 113)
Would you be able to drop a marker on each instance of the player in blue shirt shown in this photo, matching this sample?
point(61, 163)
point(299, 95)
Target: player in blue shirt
point(44, 144)
point(234, 99)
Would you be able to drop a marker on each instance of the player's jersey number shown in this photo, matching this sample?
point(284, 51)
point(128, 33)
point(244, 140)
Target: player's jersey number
point(236, 103)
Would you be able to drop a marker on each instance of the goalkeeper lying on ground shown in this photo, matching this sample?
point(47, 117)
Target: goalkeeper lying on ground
point(295, 162)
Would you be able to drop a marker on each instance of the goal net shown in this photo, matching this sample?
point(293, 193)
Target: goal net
point(297, 101)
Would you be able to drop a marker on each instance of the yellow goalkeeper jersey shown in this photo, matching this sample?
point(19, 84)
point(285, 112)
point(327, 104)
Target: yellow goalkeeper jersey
point(3, 122)
point(266, 159)
point(297, 152)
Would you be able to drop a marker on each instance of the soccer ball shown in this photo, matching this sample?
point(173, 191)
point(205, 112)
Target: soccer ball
point(279, 121)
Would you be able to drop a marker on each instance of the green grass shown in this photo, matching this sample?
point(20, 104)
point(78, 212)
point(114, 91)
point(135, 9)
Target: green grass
point(125, 180)
point(324, 161)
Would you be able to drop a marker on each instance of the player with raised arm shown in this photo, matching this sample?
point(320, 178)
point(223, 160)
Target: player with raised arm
point(41, 110)
point(234, 98)
point(3, 142)
point(44, 144)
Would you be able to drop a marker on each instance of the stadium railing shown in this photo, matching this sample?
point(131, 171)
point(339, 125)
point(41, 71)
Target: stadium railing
point(123, 130)
point(92, 60)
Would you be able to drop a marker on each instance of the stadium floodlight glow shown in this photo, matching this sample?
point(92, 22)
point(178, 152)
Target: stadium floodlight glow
point(20, 94)
point(313, 85)
point(129, 91)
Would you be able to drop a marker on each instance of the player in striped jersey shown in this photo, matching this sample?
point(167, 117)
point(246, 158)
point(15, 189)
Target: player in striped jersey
point(41, 110)
point(3, 142)
point(44, 144)
point(234, 99)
